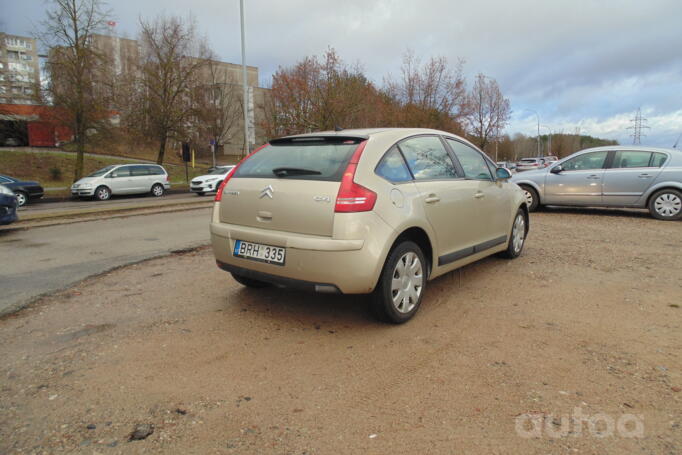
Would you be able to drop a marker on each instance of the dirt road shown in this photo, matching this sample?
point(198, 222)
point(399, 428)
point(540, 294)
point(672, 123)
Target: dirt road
point(573, 348)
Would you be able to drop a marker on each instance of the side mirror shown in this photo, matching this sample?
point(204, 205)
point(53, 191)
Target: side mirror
point(502, 173)
point(557, 169)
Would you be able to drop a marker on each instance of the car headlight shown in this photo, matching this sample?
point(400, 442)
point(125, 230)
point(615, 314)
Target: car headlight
point(211, 180)
point(5, 190)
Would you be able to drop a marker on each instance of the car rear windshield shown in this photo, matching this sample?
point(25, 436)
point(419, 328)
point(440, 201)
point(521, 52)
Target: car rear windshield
point(300, 159)
point(529, 160)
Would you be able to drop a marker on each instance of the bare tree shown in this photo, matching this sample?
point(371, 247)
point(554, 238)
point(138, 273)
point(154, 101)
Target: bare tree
point(489, 110)
point(172, 57)
point(319, 94)
point(431, 94)
point(76, 68)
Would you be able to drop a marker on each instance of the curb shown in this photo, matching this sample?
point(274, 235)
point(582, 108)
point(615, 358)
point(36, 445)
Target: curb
point(82, 217)
point(18, 307)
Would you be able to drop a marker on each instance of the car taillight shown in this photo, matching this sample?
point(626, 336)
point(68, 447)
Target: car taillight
point(219, 193)
point(353, 197)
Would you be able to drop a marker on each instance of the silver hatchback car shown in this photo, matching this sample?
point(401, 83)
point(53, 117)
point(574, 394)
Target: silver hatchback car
point(614, 176)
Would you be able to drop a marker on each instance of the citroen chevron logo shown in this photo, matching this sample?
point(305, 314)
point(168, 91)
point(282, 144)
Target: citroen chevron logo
point(267, 191)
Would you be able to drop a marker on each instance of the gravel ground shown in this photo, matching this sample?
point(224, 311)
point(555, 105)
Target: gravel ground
point(575, 347)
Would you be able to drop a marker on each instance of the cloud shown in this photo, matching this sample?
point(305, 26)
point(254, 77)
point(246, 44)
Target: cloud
point(574, 62)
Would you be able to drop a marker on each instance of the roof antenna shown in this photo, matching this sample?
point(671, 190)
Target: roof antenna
point(677, 141)
point(337, 128)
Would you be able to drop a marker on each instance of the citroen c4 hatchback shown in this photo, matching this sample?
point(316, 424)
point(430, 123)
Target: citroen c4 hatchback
point(376, 212)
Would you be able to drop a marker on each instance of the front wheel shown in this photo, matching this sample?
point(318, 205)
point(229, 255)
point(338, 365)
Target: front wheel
point(200, 193)
point(22, 198)
point(157, 190)
point(517, 237)
point(666, 205)
point(532, 198)
point(401, 285)
point(102, 193)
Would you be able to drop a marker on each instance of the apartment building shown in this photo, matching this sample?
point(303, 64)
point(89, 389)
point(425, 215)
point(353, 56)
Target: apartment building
point(19, 69)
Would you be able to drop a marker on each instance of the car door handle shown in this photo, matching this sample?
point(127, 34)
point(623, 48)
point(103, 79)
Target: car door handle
point(431, 199)
point(593, 177)
point(479, 195)
point(644, 176)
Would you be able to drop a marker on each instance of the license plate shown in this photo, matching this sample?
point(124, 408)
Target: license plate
point(259, 252)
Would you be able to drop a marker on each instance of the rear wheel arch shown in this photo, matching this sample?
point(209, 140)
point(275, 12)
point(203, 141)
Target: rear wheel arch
point(421, 238)
point(655, 191)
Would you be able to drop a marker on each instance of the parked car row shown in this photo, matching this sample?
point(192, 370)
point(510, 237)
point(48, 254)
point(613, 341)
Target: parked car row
point(24, 191)
point(531, 164)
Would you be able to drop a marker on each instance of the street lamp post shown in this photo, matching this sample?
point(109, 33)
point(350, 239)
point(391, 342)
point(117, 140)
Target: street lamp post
point(538, 117)
point(244, 82)
point(549, 148)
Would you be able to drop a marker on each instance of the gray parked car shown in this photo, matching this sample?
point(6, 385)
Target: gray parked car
point(615, 176)
point(123, 179)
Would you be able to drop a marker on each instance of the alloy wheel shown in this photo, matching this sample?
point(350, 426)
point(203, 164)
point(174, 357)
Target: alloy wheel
point(529, 197)
point(157, 190)
point(21, 198)
point(407, 282)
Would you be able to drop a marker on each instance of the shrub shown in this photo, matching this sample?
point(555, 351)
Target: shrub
point(55, 173)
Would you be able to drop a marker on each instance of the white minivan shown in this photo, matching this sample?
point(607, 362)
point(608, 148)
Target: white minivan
point(123, 179)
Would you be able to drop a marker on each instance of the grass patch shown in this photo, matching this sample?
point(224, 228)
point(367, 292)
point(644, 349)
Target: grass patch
point(54, 169)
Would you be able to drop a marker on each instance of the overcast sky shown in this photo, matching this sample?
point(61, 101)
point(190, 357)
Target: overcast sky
point(578, 63)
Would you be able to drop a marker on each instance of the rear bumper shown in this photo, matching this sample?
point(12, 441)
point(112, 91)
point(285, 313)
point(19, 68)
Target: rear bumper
point(322, 264)
point(280, 280)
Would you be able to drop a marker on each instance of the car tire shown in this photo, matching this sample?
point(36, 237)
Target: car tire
point(401, 285)
point(200, 193)
point(532, 198)
point(157, 190)
point(666, 205)
point(249, 282)
point(102, 193)
point(22, 198)
point(517, 236)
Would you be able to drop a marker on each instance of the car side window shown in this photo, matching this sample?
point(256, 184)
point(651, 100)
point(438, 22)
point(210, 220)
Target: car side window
point(4, 180)
point(427, 158)
point(658, 159)
point(474, 165)
point(137, 171)
point(627, 158)
point(587, 161)
point(121, 172)
point(392, 167)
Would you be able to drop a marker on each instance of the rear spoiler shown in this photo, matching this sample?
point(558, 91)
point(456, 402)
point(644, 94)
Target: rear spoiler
point(329, 138)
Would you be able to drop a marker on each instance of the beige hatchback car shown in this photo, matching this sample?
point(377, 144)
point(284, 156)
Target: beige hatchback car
point(377, 211)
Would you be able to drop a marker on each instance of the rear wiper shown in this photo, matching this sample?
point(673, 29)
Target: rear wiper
point(286, 171)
